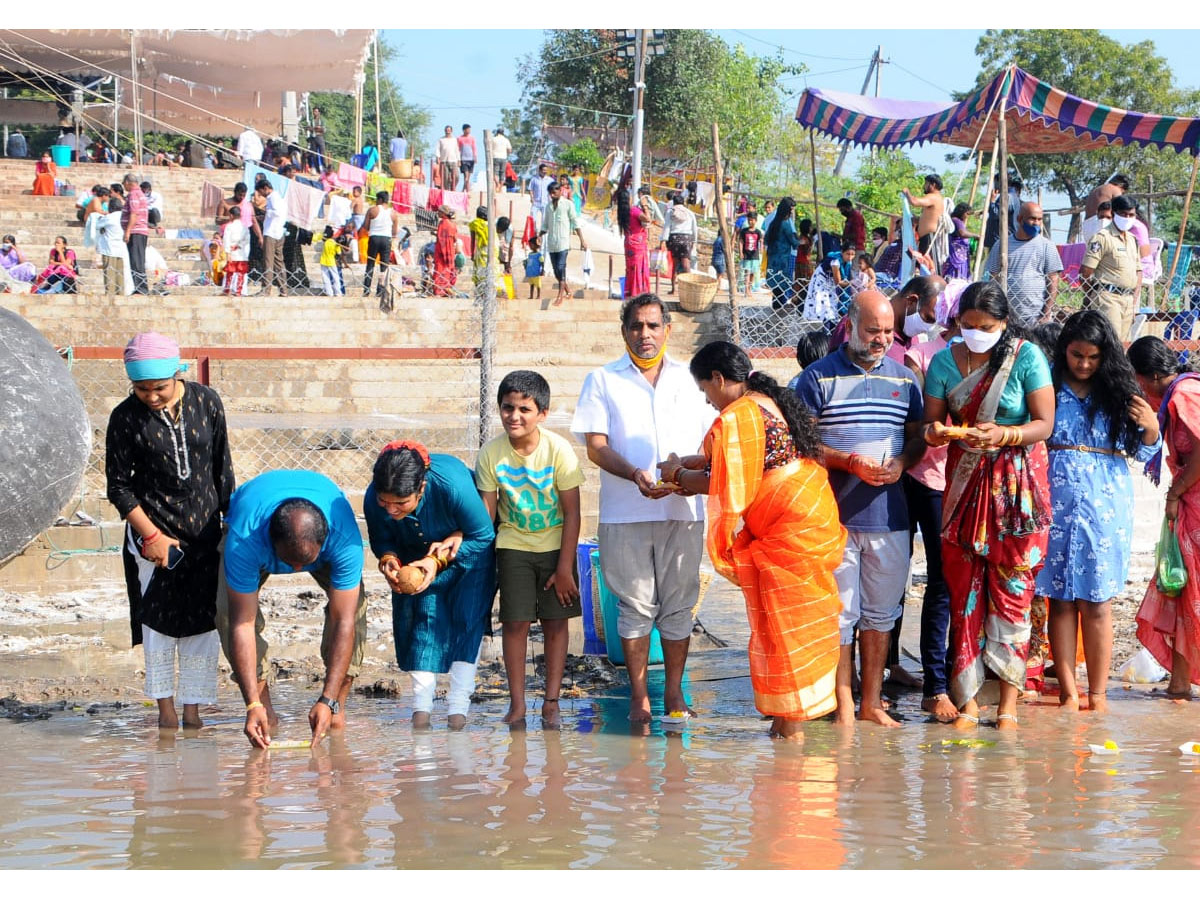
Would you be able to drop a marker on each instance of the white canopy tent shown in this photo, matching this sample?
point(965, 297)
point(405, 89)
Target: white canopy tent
point(199, 80)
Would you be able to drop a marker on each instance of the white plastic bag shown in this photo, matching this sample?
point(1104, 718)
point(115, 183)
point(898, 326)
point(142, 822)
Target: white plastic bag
point(1142, 668)
point(589, 264)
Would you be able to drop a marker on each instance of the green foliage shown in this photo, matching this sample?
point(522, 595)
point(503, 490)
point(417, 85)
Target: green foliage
point(522, 134)
point(337, 111)
point(697, 80)
point(583, 153)
point(1096, 67)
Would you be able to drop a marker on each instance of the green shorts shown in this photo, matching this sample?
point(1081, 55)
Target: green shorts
point(523, 598)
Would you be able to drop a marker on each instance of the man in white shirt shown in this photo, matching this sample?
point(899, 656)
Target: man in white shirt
point(448, 158)
point(501, 150)
point(539, 193)
point(250, 146)
point(633, 413)
point(272, 229)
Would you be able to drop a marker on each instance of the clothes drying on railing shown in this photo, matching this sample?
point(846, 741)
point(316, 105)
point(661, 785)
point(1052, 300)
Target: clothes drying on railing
point(1175, 289)
point(1072, 257)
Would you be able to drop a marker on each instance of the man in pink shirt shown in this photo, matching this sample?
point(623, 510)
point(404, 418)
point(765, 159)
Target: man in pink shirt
point(136, 221)
point(467, 156)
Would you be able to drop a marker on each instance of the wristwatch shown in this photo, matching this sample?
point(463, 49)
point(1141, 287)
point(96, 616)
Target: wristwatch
point(334, 706)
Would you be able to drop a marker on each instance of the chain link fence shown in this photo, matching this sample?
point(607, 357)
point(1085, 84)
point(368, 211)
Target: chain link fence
point(326, 413)
point(777, 307)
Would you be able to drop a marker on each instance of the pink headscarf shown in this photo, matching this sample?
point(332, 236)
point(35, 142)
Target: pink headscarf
point(151, 356)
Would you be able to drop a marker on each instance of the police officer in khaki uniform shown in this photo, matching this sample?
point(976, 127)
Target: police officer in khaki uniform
point(1115, 267)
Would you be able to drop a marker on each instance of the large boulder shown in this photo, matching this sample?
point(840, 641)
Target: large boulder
point(45, 437)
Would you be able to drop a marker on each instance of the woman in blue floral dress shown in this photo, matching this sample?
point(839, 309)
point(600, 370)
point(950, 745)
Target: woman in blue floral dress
point(1101, 421)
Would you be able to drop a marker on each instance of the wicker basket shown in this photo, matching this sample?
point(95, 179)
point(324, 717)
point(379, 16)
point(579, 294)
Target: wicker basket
point(696, 291)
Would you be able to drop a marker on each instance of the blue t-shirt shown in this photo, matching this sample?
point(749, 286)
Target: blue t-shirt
point(533, 264)
point(248, 550)
point(863, 412)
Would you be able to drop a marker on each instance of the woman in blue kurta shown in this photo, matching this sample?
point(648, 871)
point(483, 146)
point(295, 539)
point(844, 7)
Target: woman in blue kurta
point(424, 511)
point(1101, 420)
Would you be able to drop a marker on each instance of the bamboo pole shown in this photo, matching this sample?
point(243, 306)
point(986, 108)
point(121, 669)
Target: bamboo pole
point(812, 146)
point(718, 184)
point(487, 331)
point(1002, 144)
point(977, 271)
point(378, 122)
point(1187, 205)
point(975, 180)
point(1149, 225)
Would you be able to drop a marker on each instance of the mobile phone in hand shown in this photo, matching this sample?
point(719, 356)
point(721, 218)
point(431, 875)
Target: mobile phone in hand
point(174, 555)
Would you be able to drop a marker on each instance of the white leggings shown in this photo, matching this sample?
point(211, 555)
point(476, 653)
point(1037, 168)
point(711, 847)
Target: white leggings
point(198, 657)
point(458, 698)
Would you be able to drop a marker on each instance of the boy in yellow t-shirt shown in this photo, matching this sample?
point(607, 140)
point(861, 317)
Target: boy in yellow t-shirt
point(331, 274)
point(532, 477)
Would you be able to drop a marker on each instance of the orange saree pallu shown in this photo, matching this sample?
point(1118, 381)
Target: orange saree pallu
point(783, 558)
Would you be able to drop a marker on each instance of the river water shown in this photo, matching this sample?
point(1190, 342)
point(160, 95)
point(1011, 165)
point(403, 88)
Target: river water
point(105, 791)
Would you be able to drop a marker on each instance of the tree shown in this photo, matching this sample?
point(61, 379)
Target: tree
point(1096, 67)
point(522, 132)
point(579, 78)
point(583, 153)
point(337, 111)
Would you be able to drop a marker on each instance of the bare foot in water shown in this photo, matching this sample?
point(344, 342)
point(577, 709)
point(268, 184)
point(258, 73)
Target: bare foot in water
point(515, 714)
point(639, 711)
point(1180, 692)
point(551, 718)
point(191, 716)
point(941, 707)
point(878, 716)
point(1097, 703)
point(968, 716)
point(789, 730)
point(1068, 703)
point(1006, 722)
point(420, 721)
point(456, 721)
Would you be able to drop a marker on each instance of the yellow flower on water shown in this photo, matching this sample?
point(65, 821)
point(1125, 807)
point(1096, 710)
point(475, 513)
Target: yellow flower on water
point(1111, 745)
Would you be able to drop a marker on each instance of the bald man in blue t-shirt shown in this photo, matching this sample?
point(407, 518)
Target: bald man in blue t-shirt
point(291, 520)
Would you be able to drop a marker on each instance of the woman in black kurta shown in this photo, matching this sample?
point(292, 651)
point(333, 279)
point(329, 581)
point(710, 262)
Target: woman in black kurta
point(170, 476)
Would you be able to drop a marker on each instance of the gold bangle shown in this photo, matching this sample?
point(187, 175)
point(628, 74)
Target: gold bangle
point(1018, 436)
point(255, 705)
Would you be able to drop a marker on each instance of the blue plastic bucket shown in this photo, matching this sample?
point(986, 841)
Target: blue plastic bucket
point(608, 615)
point(61, 154)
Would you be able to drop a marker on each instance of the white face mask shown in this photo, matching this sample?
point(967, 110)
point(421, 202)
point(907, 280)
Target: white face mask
point(978, 341)
point(877, 241)
point(1123, 223)
point(914, 325)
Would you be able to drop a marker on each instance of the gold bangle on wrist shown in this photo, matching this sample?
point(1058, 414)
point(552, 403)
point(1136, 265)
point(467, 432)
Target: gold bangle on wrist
point(255, 705)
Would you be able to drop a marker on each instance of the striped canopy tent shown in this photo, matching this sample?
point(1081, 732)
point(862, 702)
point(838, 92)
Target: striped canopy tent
point(1034, 117)
point(1040, 118)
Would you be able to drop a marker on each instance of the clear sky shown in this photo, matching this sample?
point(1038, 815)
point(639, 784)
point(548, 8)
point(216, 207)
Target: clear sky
point(919, 65)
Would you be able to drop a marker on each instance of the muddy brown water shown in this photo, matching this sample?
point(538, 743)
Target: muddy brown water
point(105, 791)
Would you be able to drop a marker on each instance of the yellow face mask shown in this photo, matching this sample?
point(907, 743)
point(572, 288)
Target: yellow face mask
point(645, 364)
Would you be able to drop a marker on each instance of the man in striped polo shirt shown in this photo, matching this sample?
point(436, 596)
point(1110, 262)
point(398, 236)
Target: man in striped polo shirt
point(868, 408)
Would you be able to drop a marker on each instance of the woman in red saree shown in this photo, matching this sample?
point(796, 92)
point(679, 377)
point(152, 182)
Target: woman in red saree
point(997, 389)
point(44, 174)
point(1169, 627)
point(444, 273)
point(632, 221)
point(760, 468)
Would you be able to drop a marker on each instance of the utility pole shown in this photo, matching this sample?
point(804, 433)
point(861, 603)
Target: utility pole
point(639, 93)
point(873, 69)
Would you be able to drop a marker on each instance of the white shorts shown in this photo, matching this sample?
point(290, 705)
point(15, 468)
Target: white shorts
point(197, 665)
point(653, 568)
point(871, 581)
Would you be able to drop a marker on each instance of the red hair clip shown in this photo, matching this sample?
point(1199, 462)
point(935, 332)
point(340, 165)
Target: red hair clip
point(417, 448)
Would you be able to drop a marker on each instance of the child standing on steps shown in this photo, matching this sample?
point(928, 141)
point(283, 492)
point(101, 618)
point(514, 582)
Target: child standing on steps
point(331, 273)
point(531, 477)
point(533, 268)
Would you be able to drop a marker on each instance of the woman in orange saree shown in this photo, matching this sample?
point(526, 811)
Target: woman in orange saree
point(44, 174)
point(760, 467)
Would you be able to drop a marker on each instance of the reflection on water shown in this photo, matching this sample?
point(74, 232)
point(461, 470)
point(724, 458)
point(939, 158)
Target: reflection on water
point(106, 792)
